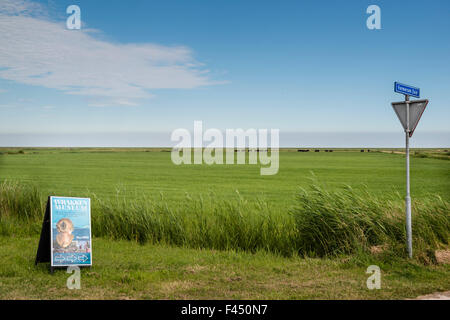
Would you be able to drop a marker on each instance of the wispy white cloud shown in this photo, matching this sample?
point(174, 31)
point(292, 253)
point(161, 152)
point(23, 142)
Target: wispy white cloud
point(23, 8)
point(38, 51)
point(117, 102)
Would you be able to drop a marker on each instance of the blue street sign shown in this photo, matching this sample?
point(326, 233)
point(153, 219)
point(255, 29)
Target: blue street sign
point(406, 89)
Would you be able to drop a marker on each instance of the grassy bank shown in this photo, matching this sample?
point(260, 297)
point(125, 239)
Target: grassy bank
point(127, 270)
point(318, 223)
point(432, 155)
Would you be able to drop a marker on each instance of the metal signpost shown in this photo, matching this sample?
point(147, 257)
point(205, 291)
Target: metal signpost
point(409, 113)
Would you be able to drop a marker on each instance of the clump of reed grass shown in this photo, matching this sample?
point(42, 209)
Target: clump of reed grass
point(21, 209)
point(198, 222)
point(22, 202)
point(346, 221)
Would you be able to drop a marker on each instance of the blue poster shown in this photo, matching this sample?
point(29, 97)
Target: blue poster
point(70, 231)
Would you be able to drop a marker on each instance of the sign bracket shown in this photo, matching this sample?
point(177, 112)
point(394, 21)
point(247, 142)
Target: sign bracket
point(43, 252)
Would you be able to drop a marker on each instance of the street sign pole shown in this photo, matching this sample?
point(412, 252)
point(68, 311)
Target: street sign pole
point(409, 113)
point(408, 196)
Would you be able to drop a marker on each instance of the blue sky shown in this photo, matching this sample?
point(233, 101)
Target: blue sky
point(303, 67)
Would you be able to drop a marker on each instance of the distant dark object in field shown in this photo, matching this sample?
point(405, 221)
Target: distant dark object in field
point(303, 150)
point(317, 150)
point(368, 150)
point(328, 150)
point(14, 152)
point(362, 150)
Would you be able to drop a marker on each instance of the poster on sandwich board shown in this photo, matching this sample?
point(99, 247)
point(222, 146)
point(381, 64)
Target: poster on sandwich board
point(70, 231)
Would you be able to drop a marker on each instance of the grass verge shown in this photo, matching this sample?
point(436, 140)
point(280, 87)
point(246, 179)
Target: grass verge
point(127, 270)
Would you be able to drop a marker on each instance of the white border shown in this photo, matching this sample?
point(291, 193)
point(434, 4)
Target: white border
point(51, 233)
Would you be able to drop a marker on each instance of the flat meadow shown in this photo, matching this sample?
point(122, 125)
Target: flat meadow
point(225, 231)
point(103, 171)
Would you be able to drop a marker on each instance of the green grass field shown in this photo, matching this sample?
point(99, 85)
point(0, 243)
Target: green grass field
point(229, 259)
point(102, 172)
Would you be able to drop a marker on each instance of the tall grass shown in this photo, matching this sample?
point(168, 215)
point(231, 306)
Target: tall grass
point(21, 208)
point(199, 222)
point(320, 222)
point(345, 221)
point(22, 202)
